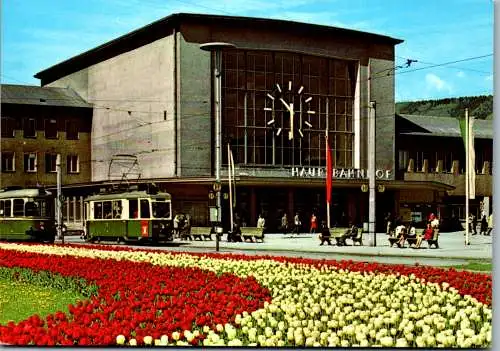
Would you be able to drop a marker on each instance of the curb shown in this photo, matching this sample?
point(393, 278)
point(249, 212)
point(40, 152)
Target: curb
point(379, 254)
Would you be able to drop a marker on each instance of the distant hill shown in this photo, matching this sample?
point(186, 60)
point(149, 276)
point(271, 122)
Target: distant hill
point(481, 107)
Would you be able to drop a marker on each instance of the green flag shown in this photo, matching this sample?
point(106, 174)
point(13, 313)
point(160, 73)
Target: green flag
point(469, 153)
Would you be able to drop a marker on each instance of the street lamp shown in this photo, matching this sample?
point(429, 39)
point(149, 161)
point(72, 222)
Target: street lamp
point(217, 47)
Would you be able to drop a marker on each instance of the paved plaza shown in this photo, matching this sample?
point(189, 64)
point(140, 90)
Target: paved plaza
point(452, 250)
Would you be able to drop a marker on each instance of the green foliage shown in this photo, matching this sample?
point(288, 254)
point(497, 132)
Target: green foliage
point(481, 107)
point(48, 280)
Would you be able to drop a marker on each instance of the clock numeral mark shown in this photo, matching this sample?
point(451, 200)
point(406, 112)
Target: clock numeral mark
point(307, 100)
point(300, 90)
point(270, 122)
point(270, 96)
point(278, 132)
point(267, 109)
point(300, 132)
point(311, 112)
point(279, 88)
point(289, 85)
point(308, 124)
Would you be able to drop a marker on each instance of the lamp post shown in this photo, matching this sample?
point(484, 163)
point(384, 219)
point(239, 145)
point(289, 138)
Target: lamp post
point(217, 47)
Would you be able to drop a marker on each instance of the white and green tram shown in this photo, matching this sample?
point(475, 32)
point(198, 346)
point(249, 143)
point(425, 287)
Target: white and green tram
point(27, 214)
point(130, 216)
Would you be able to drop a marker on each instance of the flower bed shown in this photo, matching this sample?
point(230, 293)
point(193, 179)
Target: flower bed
point(154, 297)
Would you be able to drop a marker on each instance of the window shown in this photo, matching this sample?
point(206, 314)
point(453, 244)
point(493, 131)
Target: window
point(8, 162)
point(50, 163)
point(106, 210)
point(403, 160)
point(145, 209)
point(30, 162)
point(97, 210)
point(117, 209)
point(50, 129)
point(247, 112)
point(29, 128)
point(5, 208)
point(71, 130)
point(133, 209)
point(72, 164)
point(8, 125)
point(161, 209)
point(18, 208)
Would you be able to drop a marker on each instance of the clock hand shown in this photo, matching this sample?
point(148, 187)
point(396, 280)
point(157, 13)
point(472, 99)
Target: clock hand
point(290, 133)
point(286, 105)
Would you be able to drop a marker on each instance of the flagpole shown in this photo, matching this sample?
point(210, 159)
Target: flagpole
point(467, 185)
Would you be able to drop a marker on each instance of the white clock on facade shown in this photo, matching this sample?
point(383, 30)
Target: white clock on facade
point(296, 105)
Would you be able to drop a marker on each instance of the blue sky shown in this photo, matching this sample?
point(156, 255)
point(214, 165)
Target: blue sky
point(37, 34)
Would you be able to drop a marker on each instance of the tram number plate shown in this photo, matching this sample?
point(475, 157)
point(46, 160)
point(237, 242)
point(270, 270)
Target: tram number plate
point(144, 228)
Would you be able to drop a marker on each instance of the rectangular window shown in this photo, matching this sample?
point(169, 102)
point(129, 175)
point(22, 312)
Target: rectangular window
point(145, 209)
point(50, 163)
point(133, 209)
point(8, 162)
point(18, 207)
point(106, 210)
point(5, 207)
point(97, 210)
point(30, 162)
point(29, 128)
point(50, 129)
point(403, 160)
point(71, 130)
point(72, 164)
point(8, 125)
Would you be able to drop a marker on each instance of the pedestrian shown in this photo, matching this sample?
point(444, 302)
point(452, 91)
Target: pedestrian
point(484, 225)
point(261, 222)
point(284, 224)
point(473, 222)
point(388, 223)
point(297, 223)
point(324, 236)
point(490, 224)
point(314, 224)
point(176, 226)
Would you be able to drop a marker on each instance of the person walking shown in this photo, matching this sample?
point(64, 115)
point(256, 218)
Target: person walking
point(490, 224)
point(284, 224)
point(297, 223)
point(314, 224)
point(484, 225)
point(261, 222)
point(176, 226)
point(473, 222)
point(388, 222)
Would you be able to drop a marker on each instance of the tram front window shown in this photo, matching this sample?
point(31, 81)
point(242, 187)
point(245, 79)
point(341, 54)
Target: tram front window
point(161, 209)
point(37, 208)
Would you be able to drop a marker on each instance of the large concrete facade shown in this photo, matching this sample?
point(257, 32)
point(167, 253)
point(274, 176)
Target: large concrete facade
point(155, 100)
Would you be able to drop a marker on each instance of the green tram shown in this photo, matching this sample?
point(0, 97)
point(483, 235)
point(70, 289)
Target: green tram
point(131, 216)
point(27, 214)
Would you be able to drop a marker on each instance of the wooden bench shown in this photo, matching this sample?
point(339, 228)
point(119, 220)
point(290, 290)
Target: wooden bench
point(252, 233)
point(201, 233)
point(337, 233)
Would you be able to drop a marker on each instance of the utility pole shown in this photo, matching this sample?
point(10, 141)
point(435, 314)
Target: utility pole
point(467, 181)
point(217, 47)
point(60, 233)
point(371, 171)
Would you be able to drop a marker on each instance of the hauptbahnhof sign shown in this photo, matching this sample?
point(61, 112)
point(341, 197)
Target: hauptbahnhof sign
point(338, 173)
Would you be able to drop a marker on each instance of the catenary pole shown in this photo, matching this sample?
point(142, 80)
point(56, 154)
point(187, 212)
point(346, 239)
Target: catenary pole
point(371, 171)
point(467, 184)
point(60, 233)
point(229, 171)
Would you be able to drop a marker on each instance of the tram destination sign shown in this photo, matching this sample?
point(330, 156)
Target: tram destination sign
point(338, 173)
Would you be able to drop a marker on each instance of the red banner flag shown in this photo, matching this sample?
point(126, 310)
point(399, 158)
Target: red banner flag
point(328, 172)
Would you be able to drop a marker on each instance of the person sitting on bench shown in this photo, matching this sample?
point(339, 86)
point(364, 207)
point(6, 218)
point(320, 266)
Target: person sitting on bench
point(411, 234)
point(324, 235)
point(400, 235)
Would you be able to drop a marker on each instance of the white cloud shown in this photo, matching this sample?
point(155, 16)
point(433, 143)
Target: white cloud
point(436, 83)
point(461, 74)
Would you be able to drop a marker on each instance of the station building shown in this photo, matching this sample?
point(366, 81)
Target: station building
point(152, 94)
